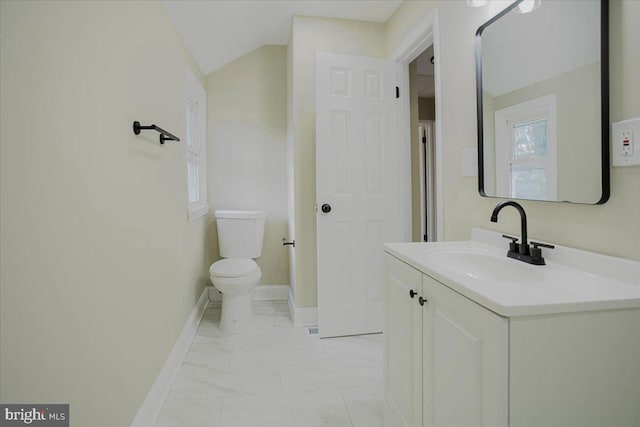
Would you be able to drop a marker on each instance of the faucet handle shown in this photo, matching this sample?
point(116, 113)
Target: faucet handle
point(536, 252)
point(513, 245)
point(542, 245)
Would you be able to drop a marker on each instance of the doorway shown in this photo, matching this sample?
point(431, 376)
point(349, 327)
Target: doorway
point(422, 41)
point(423, 177)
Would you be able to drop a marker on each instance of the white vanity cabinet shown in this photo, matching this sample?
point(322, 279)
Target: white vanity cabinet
point(453, 362)
point(403, 359)
point(465, 361)
point(446, 360)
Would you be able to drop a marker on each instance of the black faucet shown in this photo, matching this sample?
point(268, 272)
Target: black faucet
point(521, 252)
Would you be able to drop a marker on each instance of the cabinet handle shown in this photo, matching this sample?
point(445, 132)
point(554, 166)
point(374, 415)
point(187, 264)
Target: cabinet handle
point(412, 293)
point(422, 300)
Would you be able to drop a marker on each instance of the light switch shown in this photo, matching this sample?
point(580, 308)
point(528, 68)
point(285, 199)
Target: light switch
point(625, 145)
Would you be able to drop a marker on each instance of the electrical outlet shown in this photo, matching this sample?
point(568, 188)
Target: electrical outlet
point(625, 143)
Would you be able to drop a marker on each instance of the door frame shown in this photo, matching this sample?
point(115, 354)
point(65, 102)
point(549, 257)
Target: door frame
point(424, 34)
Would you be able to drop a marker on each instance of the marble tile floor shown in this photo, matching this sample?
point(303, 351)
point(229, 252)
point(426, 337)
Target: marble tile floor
point(276, 375)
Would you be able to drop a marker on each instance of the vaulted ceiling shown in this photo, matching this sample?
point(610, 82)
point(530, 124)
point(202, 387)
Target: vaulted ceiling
point(218, 32)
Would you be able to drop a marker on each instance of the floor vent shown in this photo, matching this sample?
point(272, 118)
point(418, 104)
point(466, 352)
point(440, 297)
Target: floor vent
point(312, 330)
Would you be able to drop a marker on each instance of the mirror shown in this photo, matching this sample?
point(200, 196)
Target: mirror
point(543, 102)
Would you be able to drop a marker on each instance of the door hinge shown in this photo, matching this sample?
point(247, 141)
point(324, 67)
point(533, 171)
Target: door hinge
point(424, 139)
point(425, 238)
point(397, 92)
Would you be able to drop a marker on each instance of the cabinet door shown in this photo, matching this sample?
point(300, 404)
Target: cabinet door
point(403, 342)
point(465, 361)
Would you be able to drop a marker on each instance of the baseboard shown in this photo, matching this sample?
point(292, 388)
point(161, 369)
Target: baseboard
point(152, 404)
point(304, 316)
point(260, 293)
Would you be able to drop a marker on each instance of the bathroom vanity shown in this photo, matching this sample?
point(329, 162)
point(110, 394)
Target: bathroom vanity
point(473, 338)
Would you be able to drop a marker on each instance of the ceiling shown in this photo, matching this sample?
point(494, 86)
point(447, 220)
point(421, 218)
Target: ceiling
point(217, 32)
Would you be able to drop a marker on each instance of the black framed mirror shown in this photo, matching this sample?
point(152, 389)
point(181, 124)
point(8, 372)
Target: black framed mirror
point(542, 87)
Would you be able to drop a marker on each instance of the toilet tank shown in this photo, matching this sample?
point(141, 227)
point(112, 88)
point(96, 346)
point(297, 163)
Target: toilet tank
point(240, 233)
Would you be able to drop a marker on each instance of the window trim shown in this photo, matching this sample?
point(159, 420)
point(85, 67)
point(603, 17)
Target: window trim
point(544, 106)
point(196, 96)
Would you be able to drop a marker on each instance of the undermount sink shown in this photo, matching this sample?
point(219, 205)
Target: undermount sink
point(481, 270)
point(484, 266)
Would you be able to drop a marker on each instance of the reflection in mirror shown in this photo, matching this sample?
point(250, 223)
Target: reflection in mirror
point(543, 103)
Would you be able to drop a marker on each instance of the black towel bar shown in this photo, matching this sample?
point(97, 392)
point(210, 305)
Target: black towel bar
point(164, 135)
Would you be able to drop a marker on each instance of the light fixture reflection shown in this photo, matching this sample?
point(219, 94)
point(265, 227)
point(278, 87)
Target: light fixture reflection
point(476, 3)
point(527, 6)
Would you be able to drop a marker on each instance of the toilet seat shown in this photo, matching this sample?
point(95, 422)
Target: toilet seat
point(235, 276)
point(233, 267)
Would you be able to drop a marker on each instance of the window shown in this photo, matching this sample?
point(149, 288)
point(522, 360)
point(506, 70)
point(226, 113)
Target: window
point(526, 165)
point(196, 140)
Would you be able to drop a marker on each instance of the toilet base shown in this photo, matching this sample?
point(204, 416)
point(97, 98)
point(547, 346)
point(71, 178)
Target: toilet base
point(236, 313)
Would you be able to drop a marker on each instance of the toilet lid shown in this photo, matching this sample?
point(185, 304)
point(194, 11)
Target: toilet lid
point(233, 267)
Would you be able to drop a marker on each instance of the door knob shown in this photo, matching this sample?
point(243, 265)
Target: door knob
point(422, 300)
point(412, 293)
point(326, 208)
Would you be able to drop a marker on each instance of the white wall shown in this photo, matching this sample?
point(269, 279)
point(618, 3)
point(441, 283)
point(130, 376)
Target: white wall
point(247, 123)
point(99, 267)
point(311, 35)
point(613, 228)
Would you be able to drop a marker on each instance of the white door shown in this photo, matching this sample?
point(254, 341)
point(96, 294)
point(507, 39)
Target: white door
point(357, 190)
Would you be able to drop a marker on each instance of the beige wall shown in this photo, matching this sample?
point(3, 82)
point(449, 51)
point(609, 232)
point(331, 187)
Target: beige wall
point(311, 35)
point(246, 109)
point(613, 228)
point(99, 267)
point(578, 133)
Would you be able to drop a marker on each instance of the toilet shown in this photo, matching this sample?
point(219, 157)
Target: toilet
point(240, 235)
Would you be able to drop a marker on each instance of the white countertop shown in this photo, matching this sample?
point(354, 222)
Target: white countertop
point(572, 281)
